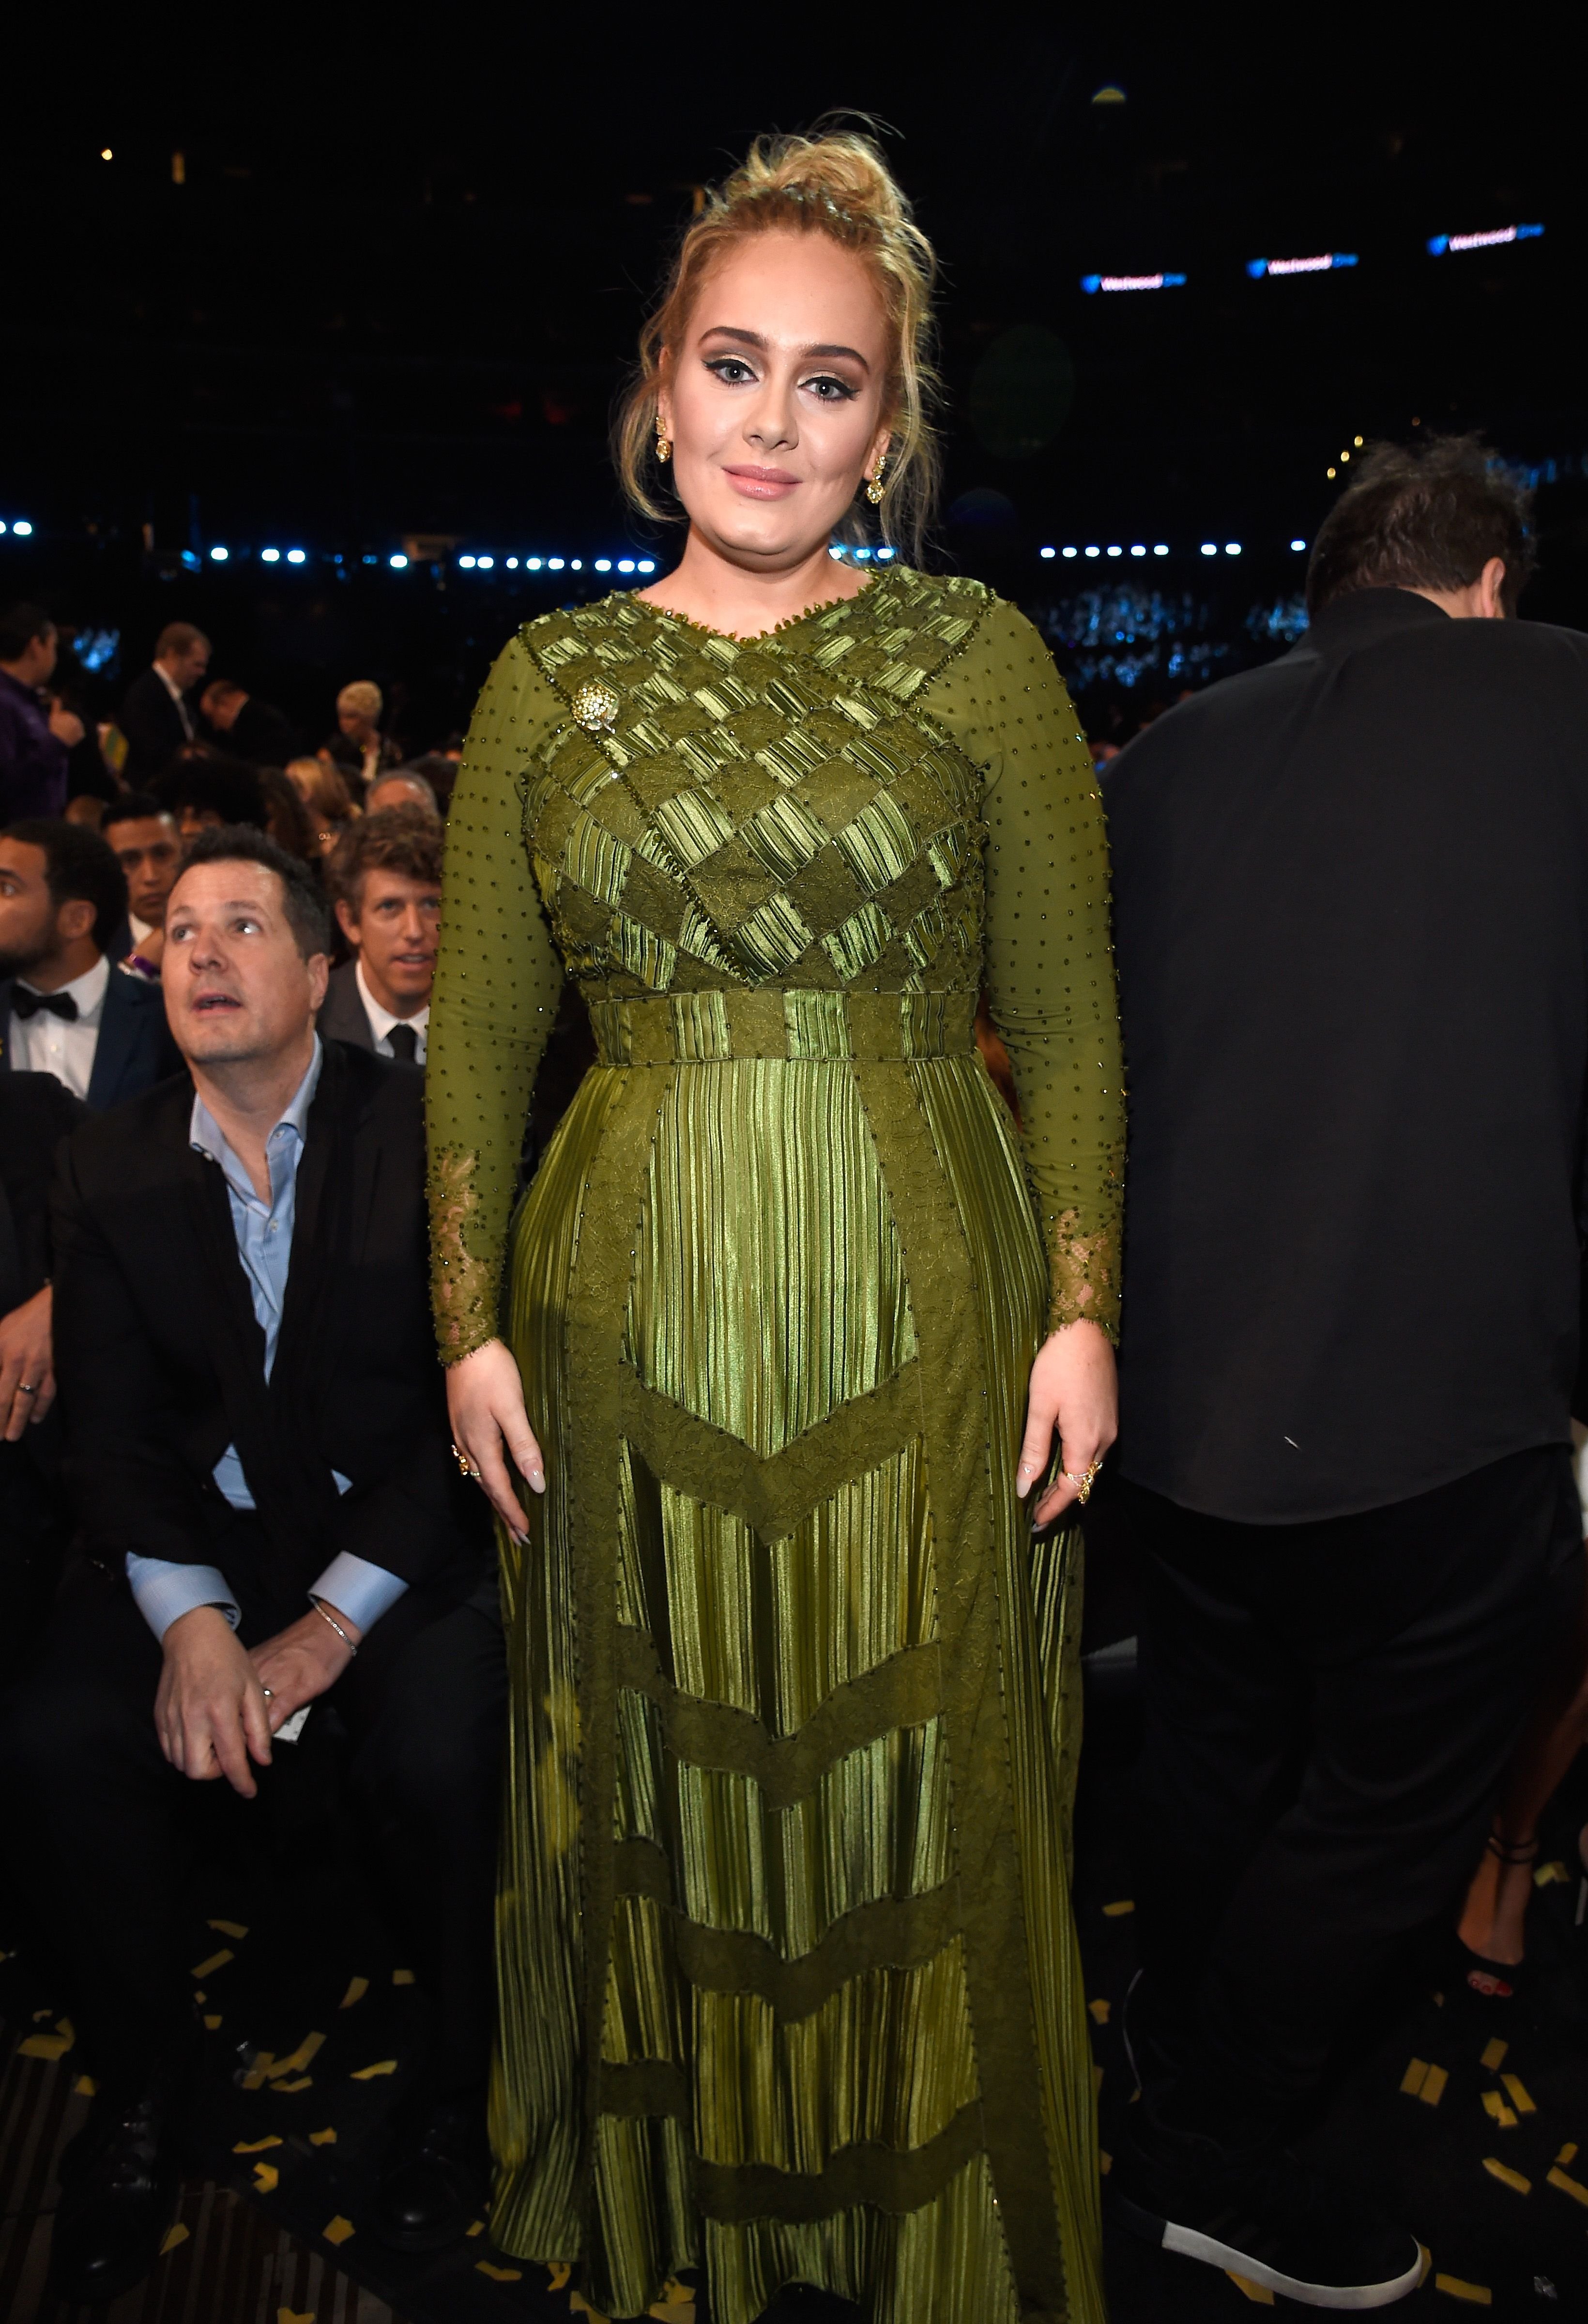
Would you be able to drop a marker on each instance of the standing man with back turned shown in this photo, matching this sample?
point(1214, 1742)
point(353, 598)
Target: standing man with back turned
point(1351, 913)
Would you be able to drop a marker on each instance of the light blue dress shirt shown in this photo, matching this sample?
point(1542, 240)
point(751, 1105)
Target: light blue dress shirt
point(164, 1589)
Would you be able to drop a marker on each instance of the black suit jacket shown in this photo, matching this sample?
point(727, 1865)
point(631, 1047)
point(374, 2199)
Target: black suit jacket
point(135, 1050)
point(261, 734)
point(36, 1112)
point(343, 1015)
point(152, 725)
point(160, 1361)
point(1351, 915)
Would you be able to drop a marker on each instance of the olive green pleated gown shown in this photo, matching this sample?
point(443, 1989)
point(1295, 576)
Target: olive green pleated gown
point(788, 1981)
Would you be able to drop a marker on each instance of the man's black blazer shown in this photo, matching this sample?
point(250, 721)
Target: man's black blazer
point(1351, 919)
point(160, 1361)
point(153, 727)
point(135, 1050)
point(343, 1016)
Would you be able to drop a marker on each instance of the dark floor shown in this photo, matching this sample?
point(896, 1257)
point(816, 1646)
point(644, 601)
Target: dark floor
point(267, 2233)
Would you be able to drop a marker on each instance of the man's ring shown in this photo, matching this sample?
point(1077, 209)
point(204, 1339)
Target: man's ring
point(27, 1387)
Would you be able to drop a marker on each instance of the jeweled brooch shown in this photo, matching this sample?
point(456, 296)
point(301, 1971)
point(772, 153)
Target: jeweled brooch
point(596, 706)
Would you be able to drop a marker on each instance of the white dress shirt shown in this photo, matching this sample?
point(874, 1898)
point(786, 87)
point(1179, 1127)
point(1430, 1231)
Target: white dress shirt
point(47, 1044)
point(381, 1020)
point(142, 930)
point(178, 697)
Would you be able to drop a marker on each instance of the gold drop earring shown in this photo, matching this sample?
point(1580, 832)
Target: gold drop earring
point(874, 491)
point(664, 442)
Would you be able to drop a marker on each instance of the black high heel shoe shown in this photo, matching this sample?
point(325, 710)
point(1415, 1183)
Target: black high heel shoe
point(1492, 1980)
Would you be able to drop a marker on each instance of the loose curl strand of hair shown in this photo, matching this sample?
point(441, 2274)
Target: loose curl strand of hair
point(833, 182)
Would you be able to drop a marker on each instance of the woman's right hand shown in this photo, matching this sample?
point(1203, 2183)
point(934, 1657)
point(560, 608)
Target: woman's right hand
point(485, 1403)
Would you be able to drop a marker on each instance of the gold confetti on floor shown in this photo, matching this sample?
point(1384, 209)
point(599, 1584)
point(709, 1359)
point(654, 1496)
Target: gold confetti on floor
point(1518, 2095)
point(291, 2316)
point(1549, 1874)
point(266, 2178)
point(1099, 2011)
point(85, 2087)
point(228, 1929)
point(1125, 1904)
point(1494, 2055)
point(499, 2274)
point(255, 2146)
point(1478, 2294)
point(1493, 2103)
point(1258, 2291)
point(371, 2074)
point(1414, 2076)
point(357, 1986)
point(338, 2230)
point(402, 1977)
point(215, 1962)
point(49, 2046)
point(1507, 2176)
point(173, 2235)
point(322, 2138)
point(1574, 2188)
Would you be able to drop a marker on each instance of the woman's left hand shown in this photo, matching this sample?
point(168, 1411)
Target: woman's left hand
point(1074, 1394)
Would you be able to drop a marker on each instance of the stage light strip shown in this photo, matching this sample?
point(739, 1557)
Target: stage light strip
point(1093, 283)
point(1324, 262)
point(1491, 239)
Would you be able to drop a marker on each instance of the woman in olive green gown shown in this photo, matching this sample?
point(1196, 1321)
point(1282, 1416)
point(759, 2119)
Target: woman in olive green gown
point(790, 1989)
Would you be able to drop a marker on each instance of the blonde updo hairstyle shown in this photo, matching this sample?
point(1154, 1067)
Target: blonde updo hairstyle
point(834, 182)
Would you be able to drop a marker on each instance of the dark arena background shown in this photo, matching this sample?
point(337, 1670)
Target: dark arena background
point(312, 326)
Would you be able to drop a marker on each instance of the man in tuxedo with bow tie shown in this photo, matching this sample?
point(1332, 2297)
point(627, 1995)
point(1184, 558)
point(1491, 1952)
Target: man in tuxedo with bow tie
point(258, 1453)
point(65, 1009)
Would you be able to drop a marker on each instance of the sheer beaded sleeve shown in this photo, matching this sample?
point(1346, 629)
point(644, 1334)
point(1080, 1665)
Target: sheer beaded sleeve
point(497, 984)
point(1049, 966)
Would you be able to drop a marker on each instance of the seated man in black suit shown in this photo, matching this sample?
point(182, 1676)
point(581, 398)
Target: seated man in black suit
point(156, 715)
point(36, 1114)
point(259, 1458)
point(64, 1009)
point(252, 730)
point(385, 875)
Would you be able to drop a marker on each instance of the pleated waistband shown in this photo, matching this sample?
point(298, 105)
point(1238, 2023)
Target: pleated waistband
point(708, 1028)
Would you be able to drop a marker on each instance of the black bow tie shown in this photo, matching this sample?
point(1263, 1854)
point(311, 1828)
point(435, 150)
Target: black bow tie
point(27, 1004)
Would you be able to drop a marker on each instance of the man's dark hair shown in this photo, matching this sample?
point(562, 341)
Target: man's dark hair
point(308, 913)
point(78, 867)
point(130, 807)
point(401, 839)
point(19, 626)
point(226, 786)
point(1429, 519)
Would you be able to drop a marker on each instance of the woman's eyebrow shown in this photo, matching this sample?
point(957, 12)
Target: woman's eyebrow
point(754, 340)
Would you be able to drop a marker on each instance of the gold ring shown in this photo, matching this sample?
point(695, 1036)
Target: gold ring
point(466, 1466)
point(1084, 1481)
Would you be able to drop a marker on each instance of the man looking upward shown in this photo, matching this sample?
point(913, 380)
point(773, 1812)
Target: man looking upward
point(256, 1443)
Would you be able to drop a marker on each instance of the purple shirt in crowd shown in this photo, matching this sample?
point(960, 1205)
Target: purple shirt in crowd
point(32, 761)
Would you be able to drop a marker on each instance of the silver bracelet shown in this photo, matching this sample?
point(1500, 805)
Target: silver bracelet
point(336, 1626)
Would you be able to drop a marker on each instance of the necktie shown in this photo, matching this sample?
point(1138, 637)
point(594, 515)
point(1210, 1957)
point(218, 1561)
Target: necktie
point(27, 1004)
point(404, 1043)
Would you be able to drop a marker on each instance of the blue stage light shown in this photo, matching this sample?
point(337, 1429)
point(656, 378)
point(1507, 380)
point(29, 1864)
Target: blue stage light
point(218, 556)
point(465, 564)
point(1116, 551)
point(625, 564)
point(603, 564)
point(1232, 549)
point(531, 565)
point(1069, 552)
point(295, 556)
point(554, 565)
point(577, 565)
point(270, 556)
point(1139, 549)
point(1298, 546)
point(1160, 549)
point(484, 564)
point(397, 561)
point(1092, 552)
point(1047, 552)
point(646, 565)
point(1210, 548)
point(22, 528)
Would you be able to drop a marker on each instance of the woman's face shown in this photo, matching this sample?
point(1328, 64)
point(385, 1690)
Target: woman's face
point(774, 400)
